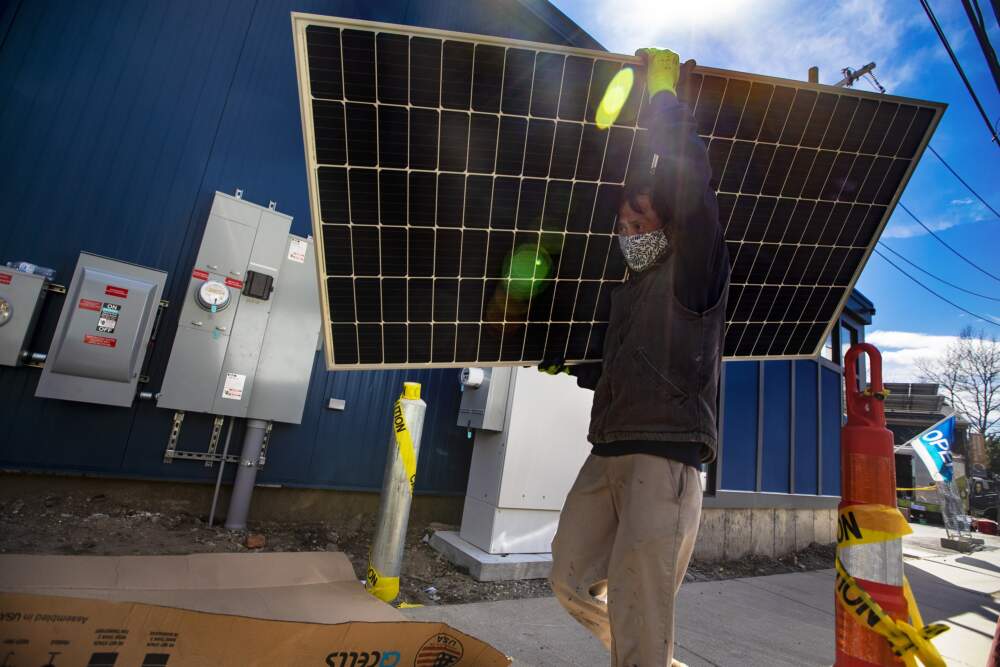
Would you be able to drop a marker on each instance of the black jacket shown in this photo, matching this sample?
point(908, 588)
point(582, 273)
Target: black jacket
point(658, 382)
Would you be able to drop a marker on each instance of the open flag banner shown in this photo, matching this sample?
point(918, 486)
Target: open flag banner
point(934, 448)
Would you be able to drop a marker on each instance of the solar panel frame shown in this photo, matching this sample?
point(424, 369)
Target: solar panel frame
point(796, 141)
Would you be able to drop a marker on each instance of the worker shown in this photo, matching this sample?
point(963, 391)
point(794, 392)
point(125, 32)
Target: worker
point(629, 524)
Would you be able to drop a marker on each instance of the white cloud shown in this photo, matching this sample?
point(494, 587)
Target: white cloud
point(962, 212)
point(901, 350)
point(779, 38)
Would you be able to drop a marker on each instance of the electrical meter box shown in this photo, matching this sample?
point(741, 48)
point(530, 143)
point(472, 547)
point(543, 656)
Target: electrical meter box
point(21, 298)
point(484, 404)
point(100, 340)
point(251, 313)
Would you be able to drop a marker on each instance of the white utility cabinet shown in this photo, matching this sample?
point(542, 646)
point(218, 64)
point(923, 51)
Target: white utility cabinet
point(521, 475)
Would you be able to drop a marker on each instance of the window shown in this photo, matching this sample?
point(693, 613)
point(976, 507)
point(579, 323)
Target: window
point(828, 349)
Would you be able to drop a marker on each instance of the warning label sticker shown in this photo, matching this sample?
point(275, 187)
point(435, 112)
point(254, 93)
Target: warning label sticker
point(198, 274)
point(233, 386)
point(5, 278)
point(89, 304)
point(234, 283)
point(297, 250)
point(100, 341)
point(119, 292)
point(109, 317)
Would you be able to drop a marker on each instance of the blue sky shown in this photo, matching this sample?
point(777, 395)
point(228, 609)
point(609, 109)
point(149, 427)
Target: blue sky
point(784, 38)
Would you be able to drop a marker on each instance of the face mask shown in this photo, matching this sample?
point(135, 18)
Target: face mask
point(641, 250)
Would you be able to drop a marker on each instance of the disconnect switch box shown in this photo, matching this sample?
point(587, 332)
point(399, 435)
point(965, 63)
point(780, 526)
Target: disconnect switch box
point(104, 327)
point(21, 297)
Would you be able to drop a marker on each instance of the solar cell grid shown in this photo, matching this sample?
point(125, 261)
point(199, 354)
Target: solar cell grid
point(464, 198)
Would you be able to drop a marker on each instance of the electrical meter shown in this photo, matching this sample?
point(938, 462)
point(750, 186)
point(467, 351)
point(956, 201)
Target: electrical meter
point(213, 295)
point(5, 311)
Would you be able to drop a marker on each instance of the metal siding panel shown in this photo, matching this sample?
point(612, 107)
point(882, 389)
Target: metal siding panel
point(130, 115)
point(739, 464)
point(777, 436)
point(830, 429)
point(806, 413)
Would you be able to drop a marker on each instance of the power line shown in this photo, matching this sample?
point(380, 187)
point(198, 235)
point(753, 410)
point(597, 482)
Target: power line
point(939, 279)
point(945, 244)
point(945, 299)
point(962, 181)
point(979, 28)
point(958, 66)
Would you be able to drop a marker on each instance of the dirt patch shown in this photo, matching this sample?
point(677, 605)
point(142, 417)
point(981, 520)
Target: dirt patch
point(102, 525)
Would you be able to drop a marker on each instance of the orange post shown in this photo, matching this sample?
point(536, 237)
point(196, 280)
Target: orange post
point(868, 477)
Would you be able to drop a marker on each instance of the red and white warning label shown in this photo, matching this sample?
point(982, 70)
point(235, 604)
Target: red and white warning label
point(232, 388)
point(297, 250)
point(100, 341)
point(119, 292)
point(198, 274)
point(89, 304)
point(5, 278)
point(234, 283)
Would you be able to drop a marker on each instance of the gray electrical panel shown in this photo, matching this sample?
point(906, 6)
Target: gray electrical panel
point(291, 339)
point(21, 298)
point(237, 290)
point(485, 407)
point(100, 340)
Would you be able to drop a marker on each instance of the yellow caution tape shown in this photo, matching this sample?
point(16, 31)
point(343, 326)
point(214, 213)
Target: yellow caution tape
point(917, 488)
point(908, 642)
point(384, 588)
point(869, 524)
point(405, 442)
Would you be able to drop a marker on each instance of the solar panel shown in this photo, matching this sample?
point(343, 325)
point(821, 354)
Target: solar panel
point(464, 199)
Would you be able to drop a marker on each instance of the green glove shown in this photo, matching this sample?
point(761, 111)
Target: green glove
point(663, 69)
point(553, 367)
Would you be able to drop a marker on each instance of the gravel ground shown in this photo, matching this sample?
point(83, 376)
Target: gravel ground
point(102, 525)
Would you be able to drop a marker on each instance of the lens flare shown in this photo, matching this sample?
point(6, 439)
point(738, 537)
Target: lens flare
point(615, 97)
point(525, 270)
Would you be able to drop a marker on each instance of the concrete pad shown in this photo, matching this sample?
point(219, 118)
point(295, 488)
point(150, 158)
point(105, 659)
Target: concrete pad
point(762, 531)
point(710, 545)
point(738, 534)
point(805, 529)
point(483, 566)
point(784, 532)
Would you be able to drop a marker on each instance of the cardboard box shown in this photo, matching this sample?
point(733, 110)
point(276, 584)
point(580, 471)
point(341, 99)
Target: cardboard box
point(308, 609)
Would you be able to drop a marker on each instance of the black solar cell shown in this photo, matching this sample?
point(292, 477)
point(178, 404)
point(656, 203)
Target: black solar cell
point(465, 198)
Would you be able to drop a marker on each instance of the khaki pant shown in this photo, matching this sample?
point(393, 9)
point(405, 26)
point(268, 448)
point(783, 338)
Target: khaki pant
point(625, 536)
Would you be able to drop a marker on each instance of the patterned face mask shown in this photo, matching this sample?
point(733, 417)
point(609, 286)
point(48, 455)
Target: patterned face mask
point(641, 250)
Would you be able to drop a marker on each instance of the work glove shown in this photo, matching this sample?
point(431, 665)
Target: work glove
point(553, 366)
point(663, 70)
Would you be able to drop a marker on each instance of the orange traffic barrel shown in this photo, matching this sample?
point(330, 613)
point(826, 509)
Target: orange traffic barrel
point(868, 477)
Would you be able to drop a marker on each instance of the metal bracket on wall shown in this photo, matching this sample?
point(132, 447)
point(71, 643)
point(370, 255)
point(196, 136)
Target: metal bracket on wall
point(210, 457)
point(175, 432)
point(55, 289)
point(213, 443)
point(263, 447)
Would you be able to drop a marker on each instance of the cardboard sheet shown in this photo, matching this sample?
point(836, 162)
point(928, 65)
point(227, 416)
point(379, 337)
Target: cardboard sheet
point(317, 587)
point(55, 631)
point(286, 609)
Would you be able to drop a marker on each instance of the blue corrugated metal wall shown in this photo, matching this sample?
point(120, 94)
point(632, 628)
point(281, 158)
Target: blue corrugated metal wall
point(119, 120)
point(795, 455)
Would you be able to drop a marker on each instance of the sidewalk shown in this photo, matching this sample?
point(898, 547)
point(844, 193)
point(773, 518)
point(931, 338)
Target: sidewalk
point(785, 619)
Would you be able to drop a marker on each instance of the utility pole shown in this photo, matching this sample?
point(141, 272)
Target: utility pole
point(850, 76)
